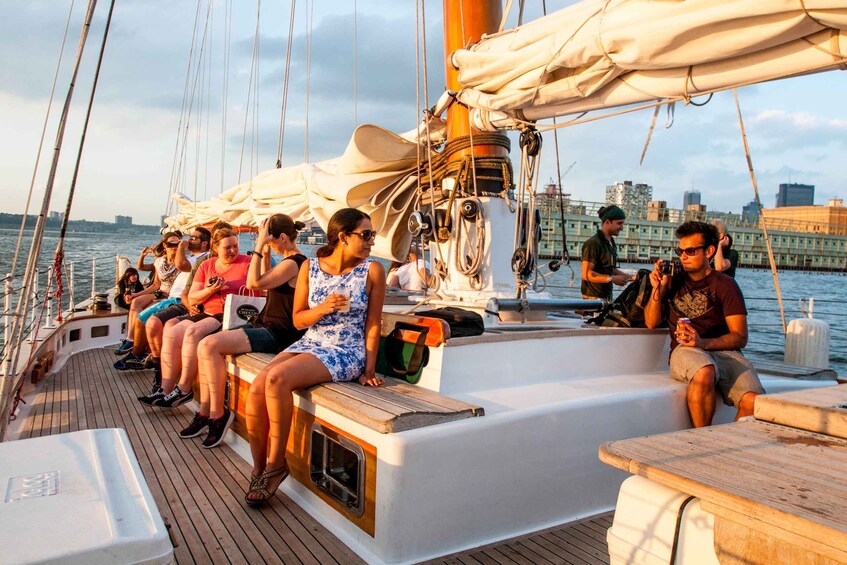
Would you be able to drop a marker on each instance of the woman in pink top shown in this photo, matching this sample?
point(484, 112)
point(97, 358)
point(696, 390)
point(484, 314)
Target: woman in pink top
point(214, 280)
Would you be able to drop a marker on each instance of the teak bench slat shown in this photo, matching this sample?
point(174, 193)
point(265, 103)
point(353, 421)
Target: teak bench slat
point(397, 406)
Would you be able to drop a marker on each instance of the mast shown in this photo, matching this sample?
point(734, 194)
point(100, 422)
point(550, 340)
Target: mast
point(473, 195)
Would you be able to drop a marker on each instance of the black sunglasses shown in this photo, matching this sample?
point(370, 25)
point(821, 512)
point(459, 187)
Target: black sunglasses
point(366, 235)
point(690, 251)
point(172, 244)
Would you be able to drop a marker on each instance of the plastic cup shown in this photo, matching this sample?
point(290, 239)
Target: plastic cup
point(346, 294)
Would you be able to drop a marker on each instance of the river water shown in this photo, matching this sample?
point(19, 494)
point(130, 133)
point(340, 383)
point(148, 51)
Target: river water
point(766, 338)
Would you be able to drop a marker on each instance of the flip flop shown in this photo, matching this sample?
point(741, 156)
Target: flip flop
point(260, 486)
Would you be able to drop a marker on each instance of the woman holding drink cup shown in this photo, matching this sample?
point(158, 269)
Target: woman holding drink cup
point(338, 297)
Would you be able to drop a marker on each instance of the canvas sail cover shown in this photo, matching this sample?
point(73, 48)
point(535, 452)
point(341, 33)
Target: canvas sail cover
point(607, 53)
point(376, 174)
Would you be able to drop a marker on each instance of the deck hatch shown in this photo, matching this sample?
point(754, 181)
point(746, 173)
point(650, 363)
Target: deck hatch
point(337, 467)
point(32, 486)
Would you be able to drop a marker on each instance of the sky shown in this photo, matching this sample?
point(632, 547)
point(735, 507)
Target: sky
point(363, 70)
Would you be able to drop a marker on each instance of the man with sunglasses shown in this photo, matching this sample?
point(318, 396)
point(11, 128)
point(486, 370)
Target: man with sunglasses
point(705, 349)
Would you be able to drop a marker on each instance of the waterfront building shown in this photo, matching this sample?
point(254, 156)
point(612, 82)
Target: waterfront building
point(830, 220)
point(645, 240)
point(750, 213)
point(793, 194)
point(690, 197)
point(123, 221)
point(633, 198)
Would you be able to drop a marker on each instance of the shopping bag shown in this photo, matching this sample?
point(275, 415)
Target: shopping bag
point(240, 308)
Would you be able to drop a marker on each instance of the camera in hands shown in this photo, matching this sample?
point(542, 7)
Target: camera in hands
point(670, 268)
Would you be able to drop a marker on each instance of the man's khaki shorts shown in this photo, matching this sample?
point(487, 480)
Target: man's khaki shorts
point(734, 374)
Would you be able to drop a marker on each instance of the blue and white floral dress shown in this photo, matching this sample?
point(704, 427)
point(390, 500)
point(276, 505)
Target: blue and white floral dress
point(338, 339)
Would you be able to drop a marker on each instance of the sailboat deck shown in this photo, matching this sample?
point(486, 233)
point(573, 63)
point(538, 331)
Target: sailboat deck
point(200, 492)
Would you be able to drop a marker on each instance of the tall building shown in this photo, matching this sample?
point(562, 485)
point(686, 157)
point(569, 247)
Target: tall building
point(750, 213)
point(793, 194)
point(123, 220)
point(630, 197)
point(690, 198)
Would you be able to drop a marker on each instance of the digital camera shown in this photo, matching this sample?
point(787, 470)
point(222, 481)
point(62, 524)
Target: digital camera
point(670, 268)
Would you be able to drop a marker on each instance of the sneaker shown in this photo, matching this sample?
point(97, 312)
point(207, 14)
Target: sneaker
point(218, 428)
point(138, 363)
point(124, 347)
point(174, 398)
point(123, 364)
point(196, 427)
point(152, 397)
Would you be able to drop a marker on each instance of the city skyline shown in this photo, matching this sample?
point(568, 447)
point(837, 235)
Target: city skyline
point(796, 128)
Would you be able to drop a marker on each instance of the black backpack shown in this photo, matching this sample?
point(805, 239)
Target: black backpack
point(627, 310)
point(463, 323)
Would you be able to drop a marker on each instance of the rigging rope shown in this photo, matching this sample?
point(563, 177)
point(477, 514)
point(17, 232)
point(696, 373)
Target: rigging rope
point(18, 245)
point(281, 142)
point(225, 103)
point(59, 255)
point(771, 259)
point(182, 113)
point(38, 234)
point(253, 65)
point(310, 20)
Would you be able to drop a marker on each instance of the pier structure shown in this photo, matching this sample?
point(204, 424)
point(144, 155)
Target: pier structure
point(799, 243)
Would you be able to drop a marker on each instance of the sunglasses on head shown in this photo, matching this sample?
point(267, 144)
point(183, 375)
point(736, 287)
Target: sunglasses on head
point(366, 235)
point(690, 251)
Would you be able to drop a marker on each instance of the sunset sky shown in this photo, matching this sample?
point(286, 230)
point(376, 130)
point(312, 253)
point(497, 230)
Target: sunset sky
point(797, 128)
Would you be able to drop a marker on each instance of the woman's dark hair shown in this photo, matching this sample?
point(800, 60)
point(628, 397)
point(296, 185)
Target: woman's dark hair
point(345, 220)
point(709, 232)
point(282, 224)
point(128, 273)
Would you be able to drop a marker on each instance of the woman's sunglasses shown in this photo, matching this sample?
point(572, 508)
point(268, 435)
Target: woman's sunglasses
point(172, 244)
point(366, 235)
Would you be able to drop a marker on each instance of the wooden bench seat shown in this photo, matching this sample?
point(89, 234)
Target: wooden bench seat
point(794, 371)
point(394, 407)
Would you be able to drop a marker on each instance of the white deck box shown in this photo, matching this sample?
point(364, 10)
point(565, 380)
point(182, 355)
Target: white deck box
point(645, 523)
point(78, 497)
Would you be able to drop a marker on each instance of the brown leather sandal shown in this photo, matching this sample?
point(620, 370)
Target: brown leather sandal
point(260, 486)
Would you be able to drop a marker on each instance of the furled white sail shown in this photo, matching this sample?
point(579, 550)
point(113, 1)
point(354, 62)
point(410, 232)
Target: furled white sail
point(607, 53)
point(376, 174)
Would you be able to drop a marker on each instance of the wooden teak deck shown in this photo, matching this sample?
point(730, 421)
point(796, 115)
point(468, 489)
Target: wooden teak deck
point(200, 492)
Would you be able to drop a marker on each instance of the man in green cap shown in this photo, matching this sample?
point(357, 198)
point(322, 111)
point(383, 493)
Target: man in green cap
point(600, 256)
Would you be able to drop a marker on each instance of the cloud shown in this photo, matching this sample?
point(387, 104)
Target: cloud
point(796, 127)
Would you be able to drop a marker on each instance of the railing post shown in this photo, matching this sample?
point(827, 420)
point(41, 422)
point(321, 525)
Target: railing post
point(32, 312)
point(48, 322)
point(93, 279)
point(71, 303)
point(6, 369)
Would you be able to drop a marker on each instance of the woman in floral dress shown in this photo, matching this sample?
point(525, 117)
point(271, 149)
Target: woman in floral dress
point(338, 297)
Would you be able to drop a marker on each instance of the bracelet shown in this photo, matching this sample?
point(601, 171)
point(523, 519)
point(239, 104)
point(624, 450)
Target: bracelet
point(257, 254)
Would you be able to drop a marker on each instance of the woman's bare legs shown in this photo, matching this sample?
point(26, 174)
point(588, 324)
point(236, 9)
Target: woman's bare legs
point(193, 334)
point(138, 304)
point(211, 361)
point(172, 352)
point(257, 415)
point(300, 371)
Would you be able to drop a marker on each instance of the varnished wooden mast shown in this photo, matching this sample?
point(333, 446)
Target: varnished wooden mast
point(465, 22)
